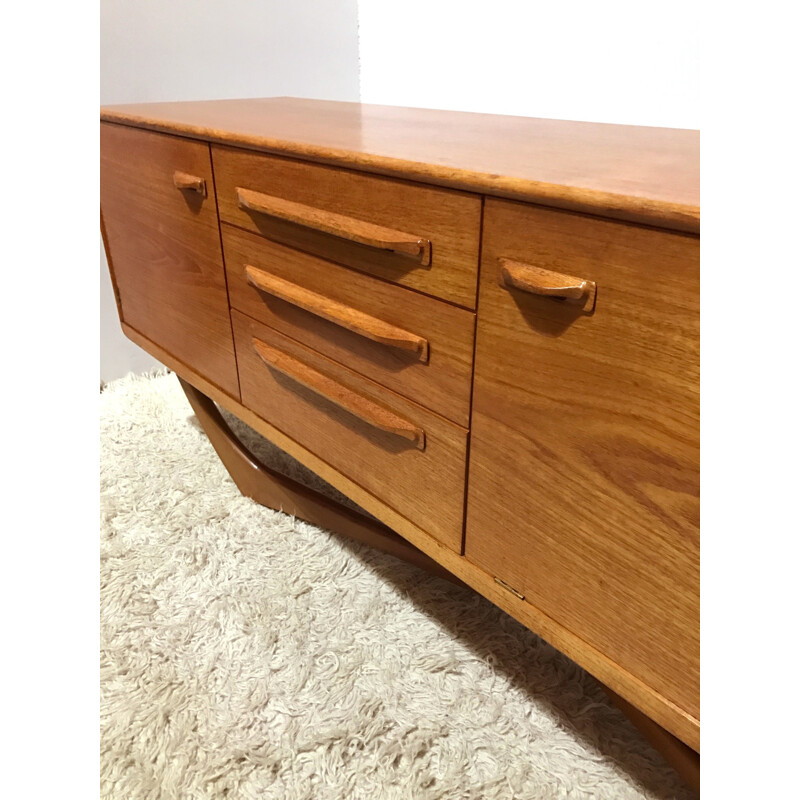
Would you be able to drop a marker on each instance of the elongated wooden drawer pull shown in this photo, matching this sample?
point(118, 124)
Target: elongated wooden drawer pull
point(346, 317)
point(183, 180)
point(535, 280)
point(354, 230)
point(339, 395)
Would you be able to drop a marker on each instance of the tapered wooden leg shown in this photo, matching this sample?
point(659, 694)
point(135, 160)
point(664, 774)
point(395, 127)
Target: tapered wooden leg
point(275, 490)
point(681, 757)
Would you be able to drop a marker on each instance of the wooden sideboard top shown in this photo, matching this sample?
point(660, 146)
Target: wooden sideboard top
point(641, 174)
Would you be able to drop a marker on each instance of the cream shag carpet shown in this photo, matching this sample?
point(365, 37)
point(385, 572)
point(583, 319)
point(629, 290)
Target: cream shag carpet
point(245, 654)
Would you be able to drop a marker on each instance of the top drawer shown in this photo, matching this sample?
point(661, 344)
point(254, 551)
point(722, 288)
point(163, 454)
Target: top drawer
point(422, 237)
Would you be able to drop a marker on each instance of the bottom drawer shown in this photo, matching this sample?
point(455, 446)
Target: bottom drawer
point(406, 456)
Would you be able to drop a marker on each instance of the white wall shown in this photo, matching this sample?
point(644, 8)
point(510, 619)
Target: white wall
point(611, 61)
point(154, 50)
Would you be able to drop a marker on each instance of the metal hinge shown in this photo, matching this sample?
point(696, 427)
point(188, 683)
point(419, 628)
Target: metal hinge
point(509, 588)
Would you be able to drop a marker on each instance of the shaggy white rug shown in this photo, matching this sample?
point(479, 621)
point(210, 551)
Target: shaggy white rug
point(245, 654)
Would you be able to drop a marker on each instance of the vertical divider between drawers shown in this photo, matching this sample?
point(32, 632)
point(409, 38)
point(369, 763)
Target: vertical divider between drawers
point(472, 379)
point(225, 266)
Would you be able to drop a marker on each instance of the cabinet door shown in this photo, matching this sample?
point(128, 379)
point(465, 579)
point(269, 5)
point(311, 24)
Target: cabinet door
point(162, 236)
point(584, 466)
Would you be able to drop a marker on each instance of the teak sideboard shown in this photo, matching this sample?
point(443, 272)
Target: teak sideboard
point(483, 330)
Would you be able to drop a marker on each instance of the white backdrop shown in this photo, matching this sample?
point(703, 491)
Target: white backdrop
point(627, 62)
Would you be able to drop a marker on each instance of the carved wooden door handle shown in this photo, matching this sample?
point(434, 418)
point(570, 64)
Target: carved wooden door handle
point(340, 314)
point(546, 283)
point(357, 405)
point(183, 180)
point(354, 230)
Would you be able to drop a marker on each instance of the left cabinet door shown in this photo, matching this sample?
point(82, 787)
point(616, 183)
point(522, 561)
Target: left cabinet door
point(161, 229)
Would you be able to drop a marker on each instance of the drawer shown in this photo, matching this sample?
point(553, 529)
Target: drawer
point(407, 457)
point(584, 460)
point(422, 237)
point(415, 345)
point(162, 239)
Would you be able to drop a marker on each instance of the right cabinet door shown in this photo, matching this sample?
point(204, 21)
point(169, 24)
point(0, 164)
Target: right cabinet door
point(584, 462)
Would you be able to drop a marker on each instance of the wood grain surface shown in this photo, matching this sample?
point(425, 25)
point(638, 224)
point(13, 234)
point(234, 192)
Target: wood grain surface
point(584, 460)
point(425, 486)
point(645, 174)
point(443, 383)
point(165, 246)
point(449, 220)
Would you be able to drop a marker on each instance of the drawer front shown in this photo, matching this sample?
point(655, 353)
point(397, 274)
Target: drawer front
point(421, 237)
point(415, 345)
point(584, 471)
point(163, 245)
point(406, 456)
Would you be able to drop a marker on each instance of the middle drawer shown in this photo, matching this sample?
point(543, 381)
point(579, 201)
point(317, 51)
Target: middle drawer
point(415, 345)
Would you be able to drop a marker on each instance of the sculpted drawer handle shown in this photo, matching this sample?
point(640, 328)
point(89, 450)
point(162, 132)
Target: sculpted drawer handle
point(544, 282)
point(339, 395)
point(346, 317)
point(183, 180)
point(354, 230)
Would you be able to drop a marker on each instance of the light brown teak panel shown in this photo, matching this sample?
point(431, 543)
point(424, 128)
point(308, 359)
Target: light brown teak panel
point(584, 465)
point(164, 244)
point(441, 382)
point(426, 484)
point(448, 220)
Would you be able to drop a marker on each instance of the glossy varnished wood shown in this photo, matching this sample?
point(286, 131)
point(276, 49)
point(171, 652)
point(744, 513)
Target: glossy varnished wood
point(584, 438)
point(256, 480)
point(637, 173)
point(442, 382)
point(164, 241)
point(584, 467)
point(644, 697)
point(427, 486)
point(449, 221)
